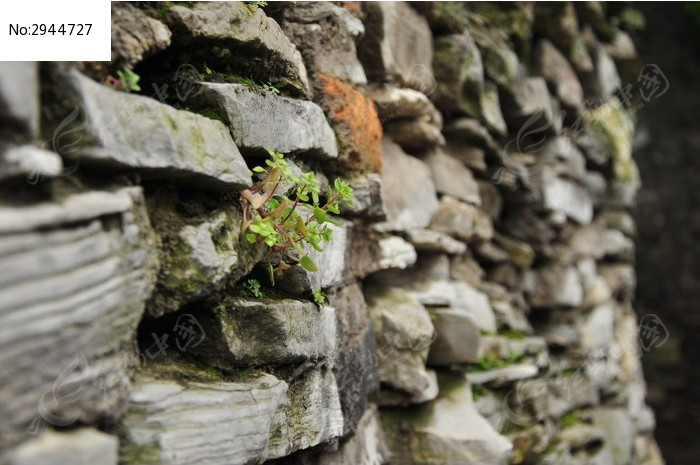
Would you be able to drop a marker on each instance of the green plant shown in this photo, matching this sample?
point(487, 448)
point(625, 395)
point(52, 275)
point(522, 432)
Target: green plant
point(319, 297)
point(278, 223)
point(569, 419)
point(129, 80)
point(252, 287)
point(258, 4)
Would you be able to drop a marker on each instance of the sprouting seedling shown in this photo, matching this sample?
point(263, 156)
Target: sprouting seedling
point(277, 221)
point(319, 297)
point(126, 80)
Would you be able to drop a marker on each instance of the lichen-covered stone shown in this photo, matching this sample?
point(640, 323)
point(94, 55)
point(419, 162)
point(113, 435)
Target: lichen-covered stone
point(19, 96)
point(298, 126)
point(251, 420)
point(500, 62)
point(245, 40)
point(326, 36)
point(444, 17)
point(83, 266)
point(397, 46)
point(144, 134)
point(135, 36)
point(409, 190)
point(354, 119)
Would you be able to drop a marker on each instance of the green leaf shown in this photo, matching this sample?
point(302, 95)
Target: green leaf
point(251, 238)
point(259, 169)
point(320, 215)
point(307, 263)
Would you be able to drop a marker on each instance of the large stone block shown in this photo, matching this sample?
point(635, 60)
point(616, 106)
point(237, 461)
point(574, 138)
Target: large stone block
point(135, 35)
point(116, 129)
point(457, 337)
point(80, 447)
point(553, 66)
point(251, 420)
point(260, 120)
point(19, 96)
point(245, 40)
point(459, 74)
point(461, 220)
point(397, 46)
point(451, 177)
point(409, 191)
point(326, 35)
point(74, 277)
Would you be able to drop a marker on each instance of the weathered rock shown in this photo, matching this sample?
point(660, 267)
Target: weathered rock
point(404, 334)
point(410, 196)
point(553, 286)
point(457, 337)
point(562, 196)
point(87, 258)
point(433, 241)
point(397, 46)
point(501, 64)
point(471, 155)
point(570, 391)
point(459, 74)
point(80, 447)
point(369, 197)
point(326, 35)
point(147, 135)
point(491, 110)
point(135, 36)
point(394, 252)
point(553, 66)
point(461, 220)
point(236, 422)
point(248, 41)
point(602, 83)
point(451, 177)
point(528, 104)
point(520, 253)
point(597, 332)
point(19, 96)
point(505, 375)
point(446, 430)
point(471, 131)
point(416, 134)
point(618, 430)
point(355, 122)
point(298, 126)
point(28, 161)
point(515, 19)
point(443, 17)
point(620, 278)
point(262, 332)
point(558, 23)
point(199, 252)
point(397, 103)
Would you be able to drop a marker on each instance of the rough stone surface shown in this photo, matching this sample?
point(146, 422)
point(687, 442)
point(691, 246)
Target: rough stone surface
point(250, 42)
point(451, 177)
point(28, 161)
point(86, 259)
point(434, 241)
point(559, 74)
point(554, 286)
point(239, 422)
point(19, 96)
point(147, 135)
point(457, 337)
point(298, 126)
point(397, 46)
point(461, 220)
point(326, 36)
point(135, 36)
point(459, 74)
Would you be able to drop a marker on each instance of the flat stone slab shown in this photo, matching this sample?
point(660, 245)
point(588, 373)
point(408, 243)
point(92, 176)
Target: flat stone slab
point(260, 120)
point(229, 422)
point(81, 447)
point(144, 134)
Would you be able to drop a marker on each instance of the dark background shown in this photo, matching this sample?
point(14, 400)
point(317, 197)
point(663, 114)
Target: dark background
point(668, 221)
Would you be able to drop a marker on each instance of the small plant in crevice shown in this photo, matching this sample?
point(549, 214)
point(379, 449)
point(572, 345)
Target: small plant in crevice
point(281, 222)
point(253, 288)
point(319, 297)
point(126, 81)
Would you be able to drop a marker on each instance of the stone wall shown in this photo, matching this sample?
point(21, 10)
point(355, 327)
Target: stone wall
point(479, 294)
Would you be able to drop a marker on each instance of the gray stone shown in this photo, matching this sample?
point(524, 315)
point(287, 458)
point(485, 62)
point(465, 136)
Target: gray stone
point(459, 74)
point(404, 334)
point(416, 134)
point(451, 177)
point(563, 196)
point(444, 17)
point(83, 266)
point(248, 332)
point(31, 162)
point(553, 66)
point(248, 41)
point(503, 347)
point(473, 132)
point(397, 46)
point(298, 126)
point(527, 104)
point(81, 447)
point(199, 252)
point(505, 375)
point(554, 285)
point(248, 421)
point(397, 103)
point(144, 134)
point(446, 430)
point(19, 96)
point(617, 246)
point(409, 191)
point(135, 36)
point(558, 23)
point(369, 197)
point(619, 432)
point(326, 35)
point(461, 220)
point(491, 110)
point(569, 392)
point(580, 436)
point(457, 337)
point(395, 252)
point(501, 64)
point(604, 80)
point(620, 278)
point(434, 241)
point(471, 155)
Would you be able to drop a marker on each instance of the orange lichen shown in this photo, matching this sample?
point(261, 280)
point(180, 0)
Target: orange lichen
point(354, 118)
point(352, 7)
